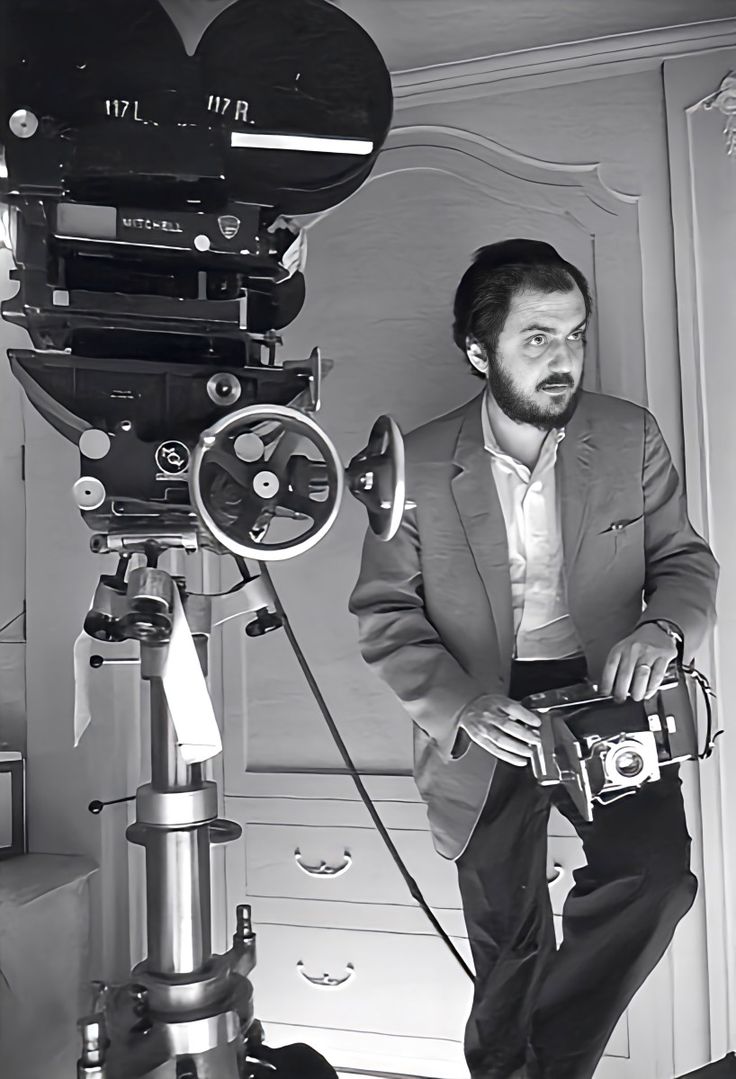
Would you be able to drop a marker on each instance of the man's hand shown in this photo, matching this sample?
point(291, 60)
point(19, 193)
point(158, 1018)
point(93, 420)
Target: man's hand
point(502, 727)
point(637, 664)
point(295, 256)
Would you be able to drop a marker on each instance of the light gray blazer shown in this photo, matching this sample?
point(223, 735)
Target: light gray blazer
point(434, 603)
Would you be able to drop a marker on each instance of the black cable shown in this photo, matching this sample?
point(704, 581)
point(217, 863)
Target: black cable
point(13, 619)
point(410, 882)
point(707, 691)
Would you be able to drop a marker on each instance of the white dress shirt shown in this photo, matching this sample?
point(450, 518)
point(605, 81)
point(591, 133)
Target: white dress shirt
point(543, 628)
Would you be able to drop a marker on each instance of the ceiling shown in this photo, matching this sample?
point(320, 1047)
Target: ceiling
point(419, 33)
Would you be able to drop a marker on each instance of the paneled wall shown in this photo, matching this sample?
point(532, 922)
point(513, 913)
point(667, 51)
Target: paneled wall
point(583, 166)
point(577, 165)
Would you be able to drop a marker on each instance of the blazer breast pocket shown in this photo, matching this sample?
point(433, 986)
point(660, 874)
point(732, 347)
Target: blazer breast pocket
point(623, 532)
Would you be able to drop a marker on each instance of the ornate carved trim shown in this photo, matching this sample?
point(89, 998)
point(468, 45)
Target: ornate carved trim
point(724, 99)
point(609, 220)
point(444, 147)
point(442, 82)
point(506, 160)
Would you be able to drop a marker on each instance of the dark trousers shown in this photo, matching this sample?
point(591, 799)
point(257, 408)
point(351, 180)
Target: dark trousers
point(556, 1009)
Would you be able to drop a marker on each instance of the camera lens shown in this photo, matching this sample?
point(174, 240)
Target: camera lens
point(629, 763)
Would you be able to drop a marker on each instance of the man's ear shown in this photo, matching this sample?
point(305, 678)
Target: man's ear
point(477, 355)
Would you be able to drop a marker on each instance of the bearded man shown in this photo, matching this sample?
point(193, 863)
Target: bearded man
point(548, 541)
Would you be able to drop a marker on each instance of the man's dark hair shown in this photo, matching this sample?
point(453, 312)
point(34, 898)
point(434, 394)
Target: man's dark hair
point(498, 272)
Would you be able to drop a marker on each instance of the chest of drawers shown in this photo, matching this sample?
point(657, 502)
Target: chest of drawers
point(347, 960)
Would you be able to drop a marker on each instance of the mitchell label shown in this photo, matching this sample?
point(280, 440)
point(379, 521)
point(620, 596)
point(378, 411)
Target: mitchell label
point(151, 224)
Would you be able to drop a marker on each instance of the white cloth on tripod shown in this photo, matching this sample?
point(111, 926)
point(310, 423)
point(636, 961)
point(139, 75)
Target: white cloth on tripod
point(187, 695)
point(184, 684)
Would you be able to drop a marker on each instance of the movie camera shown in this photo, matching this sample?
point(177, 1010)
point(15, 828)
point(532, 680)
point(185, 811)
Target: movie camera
point(155, 159)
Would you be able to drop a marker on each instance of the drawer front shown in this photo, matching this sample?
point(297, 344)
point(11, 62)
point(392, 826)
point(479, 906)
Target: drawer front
point(311, 973)
point(353, 865)
point(390, 984)
point(384, 983)
point(345, 864)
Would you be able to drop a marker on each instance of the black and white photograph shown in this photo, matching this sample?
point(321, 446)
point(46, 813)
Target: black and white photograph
point(367, 539)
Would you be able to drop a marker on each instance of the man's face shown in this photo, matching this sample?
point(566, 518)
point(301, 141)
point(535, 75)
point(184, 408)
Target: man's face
point(536, 371)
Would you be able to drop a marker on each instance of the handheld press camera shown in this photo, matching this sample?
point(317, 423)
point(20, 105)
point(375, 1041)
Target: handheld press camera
point(600, 750)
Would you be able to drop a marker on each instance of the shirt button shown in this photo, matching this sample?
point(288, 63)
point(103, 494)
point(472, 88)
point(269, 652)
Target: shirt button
point(536, 486)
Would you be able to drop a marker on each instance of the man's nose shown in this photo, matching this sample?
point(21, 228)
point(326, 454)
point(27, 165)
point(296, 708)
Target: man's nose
point(562, 358)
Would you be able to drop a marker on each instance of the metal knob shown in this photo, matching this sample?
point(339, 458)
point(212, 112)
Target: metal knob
point(23, 123)
point(244, 926)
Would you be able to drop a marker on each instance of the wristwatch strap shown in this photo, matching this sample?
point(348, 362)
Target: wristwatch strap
point(673, 631)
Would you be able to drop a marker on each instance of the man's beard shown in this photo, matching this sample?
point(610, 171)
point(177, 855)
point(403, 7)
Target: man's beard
point(522, 408)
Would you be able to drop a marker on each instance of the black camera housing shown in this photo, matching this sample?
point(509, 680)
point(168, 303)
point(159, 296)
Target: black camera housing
point(152, 172)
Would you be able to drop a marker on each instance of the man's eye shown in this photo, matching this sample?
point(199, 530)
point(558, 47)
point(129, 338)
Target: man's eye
point(538, 340)
point(577, 335)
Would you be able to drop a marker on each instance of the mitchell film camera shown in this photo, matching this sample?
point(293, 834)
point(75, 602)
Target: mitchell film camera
point(600, 750)
point(154, 155)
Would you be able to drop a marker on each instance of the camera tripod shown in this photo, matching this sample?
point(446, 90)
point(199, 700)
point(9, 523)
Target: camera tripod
point(186, 1012)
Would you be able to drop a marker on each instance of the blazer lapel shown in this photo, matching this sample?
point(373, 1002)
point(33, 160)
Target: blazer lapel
point(482, 519)
point(574, 459)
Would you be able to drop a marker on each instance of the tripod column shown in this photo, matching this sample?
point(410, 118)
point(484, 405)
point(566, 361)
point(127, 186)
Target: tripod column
point(178, 913)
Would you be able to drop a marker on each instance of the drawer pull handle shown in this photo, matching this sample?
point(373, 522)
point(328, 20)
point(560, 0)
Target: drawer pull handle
point(326, 981)
point(323, 869)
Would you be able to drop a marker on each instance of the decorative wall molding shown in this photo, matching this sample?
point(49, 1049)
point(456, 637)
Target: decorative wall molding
point(724, 99)
point(468, 155)
point(609, 219)
point(467, 78)
point(477, 147)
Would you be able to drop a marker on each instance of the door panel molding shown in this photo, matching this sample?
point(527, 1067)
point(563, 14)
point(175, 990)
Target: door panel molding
point(703, 181)
point(609, 218)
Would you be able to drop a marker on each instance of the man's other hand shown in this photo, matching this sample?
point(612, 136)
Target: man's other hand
point(638, 663)
point(503, 727)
